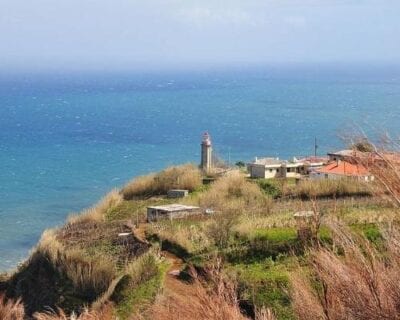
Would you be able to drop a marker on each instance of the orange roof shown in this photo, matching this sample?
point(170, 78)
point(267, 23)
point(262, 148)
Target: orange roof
point(344, 168)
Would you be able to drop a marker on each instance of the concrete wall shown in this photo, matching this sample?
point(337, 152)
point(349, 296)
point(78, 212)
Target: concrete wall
point(154, 215)
point(257, 171)
point(321, 176)
point(177, 193)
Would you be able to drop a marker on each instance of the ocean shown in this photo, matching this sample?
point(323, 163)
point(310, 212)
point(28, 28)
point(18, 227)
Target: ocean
point(67, 139)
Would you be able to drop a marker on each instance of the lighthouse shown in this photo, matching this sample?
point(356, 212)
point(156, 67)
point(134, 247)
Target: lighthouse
point(206, 153)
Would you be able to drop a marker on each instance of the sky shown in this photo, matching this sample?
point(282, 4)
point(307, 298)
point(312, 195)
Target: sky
point(168, 34)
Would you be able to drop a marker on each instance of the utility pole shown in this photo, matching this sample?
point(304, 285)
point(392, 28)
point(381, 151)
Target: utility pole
point(315, 147)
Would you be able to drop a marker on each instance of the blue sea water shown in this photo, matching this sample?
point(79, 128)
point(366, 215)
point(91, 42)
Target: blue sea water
point(65, 140)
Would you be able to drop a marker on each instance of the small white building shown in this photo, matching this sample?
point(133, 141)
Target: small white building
point(267, 168)
point(170, 211)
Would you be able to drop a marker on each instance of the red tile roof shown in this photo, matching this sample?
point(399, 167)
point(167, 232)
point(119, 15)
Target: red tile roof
point(344, 168)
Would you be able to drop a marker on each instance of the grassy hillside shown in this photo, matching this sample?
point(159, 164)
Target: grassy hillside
point(264, 256)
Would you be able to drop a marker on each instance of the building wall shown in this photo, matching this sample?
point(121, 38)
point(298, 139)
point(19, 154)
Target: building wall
point(293, 172)
point(257, 171)
point(271, 173)
point(177, 193)
point(329, 176)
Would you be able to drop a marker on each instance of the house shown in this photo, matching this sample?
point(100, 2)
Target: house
point(342, 154)
point(177, 193)
point(313, 163)
point(267, 168)
point(340, 169)
point(170, 211)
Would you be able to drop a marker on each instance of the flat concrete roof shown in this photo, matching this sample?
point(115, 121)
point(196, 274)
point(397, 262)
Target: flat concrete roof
point(173, 207)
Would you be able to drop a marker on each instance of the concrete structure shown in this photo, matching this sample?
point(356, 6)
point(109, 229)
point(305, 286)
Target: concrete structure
point(341, 155)
point(267, 168)
point(206, 153)
point(170, 211)
point(340, 169)
point(177, 193)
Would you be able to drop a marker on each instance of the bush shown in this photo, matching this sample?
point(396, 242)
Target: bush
point(233, 193)
point(269, 188)
point(180, 177)
point(220, 230)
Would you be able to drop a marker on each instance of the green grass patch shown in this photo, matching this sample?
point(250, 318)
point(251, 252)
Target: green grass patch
point(275, 235)
point(136, 300)
point(270, 187)
point(266, 284)
point(369, 230)
point(134, 209)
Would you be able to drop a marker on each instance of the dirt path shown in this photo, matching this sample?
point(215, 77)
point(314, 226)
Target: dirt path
point(173, 287)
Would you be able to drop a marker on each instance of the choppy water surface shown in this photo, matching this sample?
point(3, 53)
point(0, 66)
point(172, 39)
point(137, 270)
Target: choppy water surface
point(66, 140)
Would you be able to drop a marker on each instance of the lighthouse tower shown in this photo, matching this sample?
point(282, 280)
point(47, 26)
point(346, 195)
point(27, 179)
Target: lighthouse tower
point(206, 153)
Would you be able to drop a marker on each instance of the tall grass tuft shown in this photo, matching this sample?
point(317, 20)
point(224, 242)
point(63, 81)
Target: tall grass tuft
point(355, 281)
point(180, 177)
point(104, 314)
point(311, 189)
point(86, 273)
point(215, 300)
point(234, 193)
point(99, 211)
point(11, 310)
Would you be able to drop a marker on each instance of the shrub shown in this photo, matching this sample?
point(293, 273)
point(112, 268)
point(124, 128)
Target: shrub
point(269, 188)
point(233, 193)
point(180, 177)
point(220, 230)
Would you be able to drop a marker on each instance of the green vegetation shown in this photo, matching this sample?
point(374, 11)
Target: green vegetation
point(251, 228)
point(140, 287)
point(270, 187)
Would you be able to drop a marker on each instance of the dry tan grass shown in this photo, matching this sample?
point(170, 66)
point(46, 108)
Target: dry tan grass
point(191, 237)
point(360, 283)
point(11, 310)
point(185, 176)
point(310, 189)
point(214, 300)
point(99, 211)
point(234, 193)
point(83, 271)
point(105, 313)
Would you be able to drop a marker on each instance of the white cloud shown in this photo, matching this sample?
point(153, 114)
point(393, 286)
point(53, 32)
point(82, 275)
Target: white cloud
point(210, 16)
